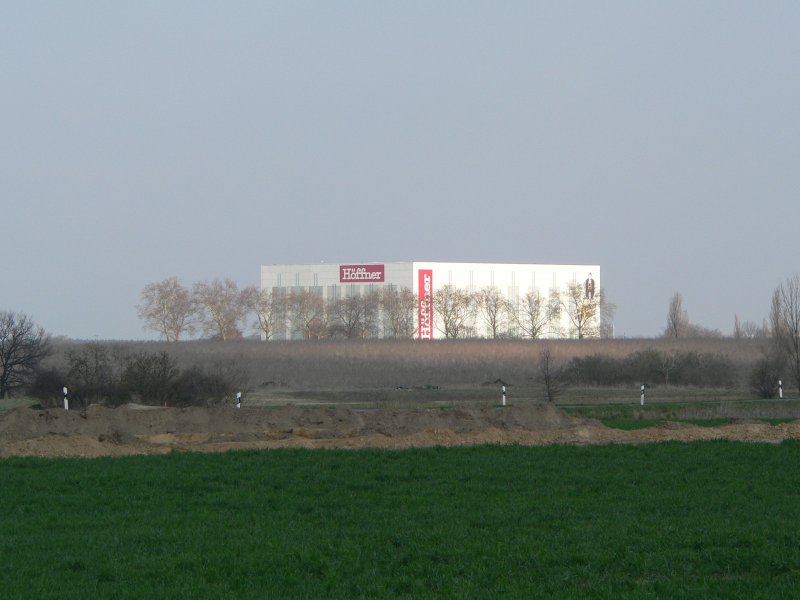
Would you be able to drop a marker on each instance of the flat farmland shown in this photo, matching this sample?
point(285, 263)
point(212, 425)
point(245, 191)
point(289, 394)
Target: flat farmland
point(703, 519)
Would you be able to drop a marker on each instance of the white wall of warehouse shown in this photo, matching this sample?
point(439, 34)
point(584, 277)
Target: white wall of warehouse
point(512, 280)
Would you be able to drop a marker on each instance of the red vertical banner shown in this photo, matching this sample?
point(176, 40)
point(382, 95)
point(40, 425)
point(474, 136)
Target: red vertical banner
point(425, 315)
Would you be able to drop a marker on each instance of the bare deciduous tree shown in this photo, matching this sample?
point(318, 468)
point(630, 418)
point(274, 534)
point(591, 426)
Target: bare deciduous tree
point(92, 376)
point(221, 308)
point(608, 311)
point(166, 308)
point(738, 329)
point(308, 315)
point(150, 377)
point(677, 318)
point(354, 316)
point(494, 308)
point(268, 306)
point(23, 345)
point(583, 312)
point(549, 374)
point(399, 310)
point(668, 362)
point(533, 313)
point(453, 309)
point(775, 321)
point(766, 372)
point(785, 320)
point(748, 329)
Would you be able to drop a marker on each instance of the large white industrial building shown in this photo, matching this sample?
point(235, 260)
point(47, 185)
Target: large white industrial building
point(333, 282)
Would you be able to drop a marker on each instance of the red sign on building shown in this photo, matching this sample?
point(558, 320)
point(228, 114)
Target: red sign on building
point(361, 273)
point(425, 320)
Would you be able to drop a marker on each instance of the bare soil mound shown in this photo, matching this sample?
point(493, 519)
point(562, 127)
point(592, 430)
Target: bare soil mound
point(134, 429)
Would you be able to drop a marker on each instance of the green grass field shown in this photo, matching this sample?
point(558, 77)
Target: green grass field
point(662, 520)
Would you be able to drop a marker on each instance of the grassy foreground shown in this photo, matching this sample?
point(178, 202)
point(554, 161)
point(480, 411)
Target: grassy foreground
point(712, 519)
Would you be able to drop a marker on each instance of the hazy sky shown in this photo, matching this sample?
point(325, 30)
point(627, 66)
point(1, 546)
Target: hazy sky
point(141, 140)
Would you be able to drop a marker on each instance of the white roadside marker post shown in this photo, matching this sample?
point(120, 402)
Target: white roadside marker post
point(66, 400)
point(780, 389)
point(504, 395)
point(239, 400)
point(641, 399)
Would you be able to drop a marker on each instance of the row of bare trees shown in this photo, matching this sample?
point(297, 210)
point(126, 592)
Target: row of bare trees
point(220, 310)
point(216, 309)
point(388, 312)
point(679, 326)
point(561, 313)
point(780, 330)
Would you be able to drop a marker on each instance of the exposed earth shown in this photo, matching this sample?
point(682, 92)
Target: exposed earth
point(136, 429)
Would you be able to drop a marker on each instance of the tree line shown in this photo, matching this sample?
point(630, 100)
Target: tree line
point(780, 330)
point(220, 310)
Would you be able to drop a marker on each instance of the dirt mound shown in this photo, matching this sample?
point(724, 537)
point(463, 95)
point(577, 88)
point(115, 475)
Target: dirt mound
point(135, 429)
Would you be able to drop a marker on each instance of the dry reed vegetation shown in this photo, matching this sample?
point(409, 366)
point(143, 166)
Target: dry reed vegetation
point(409, 363)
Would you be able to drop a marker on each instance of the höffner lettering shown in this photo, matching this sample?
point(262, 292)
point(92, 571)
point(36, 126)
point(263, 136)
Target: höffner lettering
point(360, 274)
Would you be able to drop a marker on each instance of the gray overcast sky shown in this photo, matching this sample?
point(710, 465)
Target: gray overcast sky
point(141, 140)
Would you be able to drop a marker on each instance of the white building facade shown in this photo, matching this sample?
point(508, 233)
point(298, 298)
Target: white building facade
point(515, 283)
